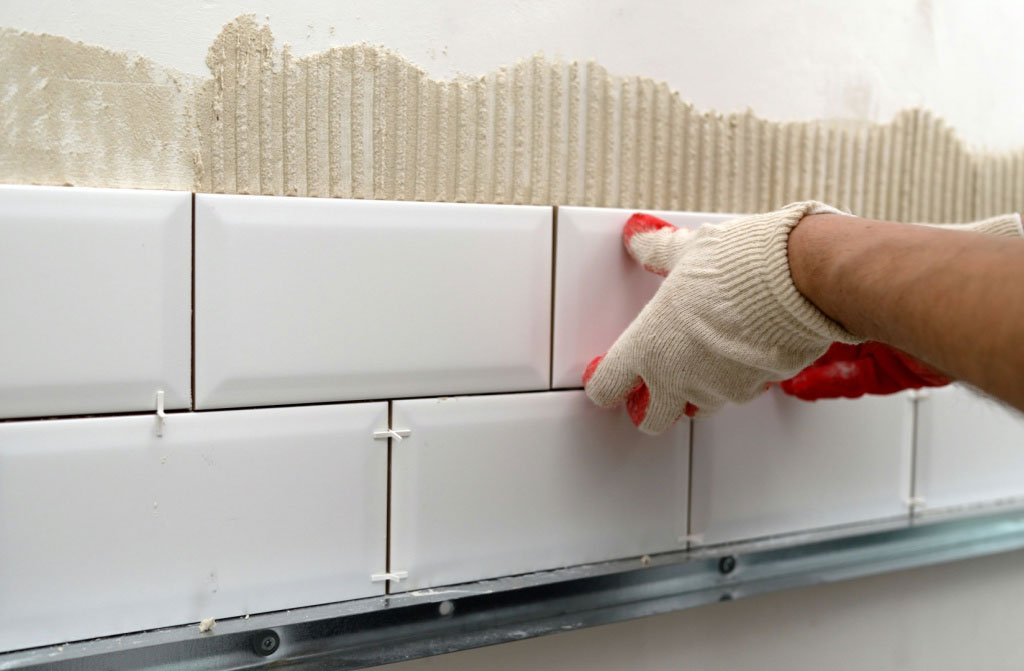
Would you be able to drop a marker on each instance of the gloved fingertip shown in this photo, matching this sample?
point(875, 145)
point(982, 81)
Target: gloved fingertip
point(588, 372)
point(652, 428)
point(608, 384)
point(641, 222)
point(661, 413)
point(637, 402)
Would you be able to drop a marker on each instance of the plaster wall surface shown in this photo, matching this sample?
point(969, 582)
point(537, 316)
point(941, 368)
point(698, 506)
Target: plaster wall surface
point(682, 123)
point(786, 60)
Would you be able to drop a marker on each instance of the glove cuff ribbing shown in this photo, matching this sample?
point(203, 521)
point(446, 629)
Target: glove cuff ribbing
point(1003, 225)
point(754, 258)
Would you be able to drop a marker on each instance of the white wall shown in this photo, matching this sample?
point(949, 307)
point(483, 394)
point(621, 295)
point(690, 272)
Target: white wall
point(787, 60)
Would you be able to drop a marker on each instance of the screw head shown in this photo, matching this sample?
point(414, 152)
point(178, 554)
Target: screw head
point(266, 642)
point(727, 564)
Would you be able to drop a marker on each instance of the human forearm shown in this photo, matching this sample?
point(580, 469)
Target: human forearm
point(951, 298)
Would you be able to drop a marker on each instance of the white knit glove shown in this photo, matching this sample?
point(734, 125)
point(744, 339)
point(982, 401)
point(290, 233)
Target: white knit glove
point(726, 321)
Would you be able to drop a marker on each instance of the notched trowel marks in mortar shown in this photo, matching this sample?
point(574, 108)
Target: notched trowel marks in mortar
point(363, 122)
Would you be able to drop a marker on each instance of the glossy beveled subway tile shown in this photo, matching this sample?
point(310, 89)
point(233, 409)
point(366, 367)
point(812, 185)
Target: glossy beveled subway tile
point(302, 300)
point(108, 528)
point(970, 450)
point(94, 300)
point(487, 486)
point(781, 465)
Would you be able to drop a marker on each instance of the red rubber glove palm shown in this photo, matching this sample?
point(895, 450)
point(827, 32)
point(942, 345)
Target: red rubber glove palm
point(850, 371)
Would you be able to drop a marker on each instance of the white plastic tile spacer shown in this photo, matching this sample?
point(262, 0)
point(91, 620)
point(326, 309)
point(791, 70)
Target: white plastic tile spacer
point(692, 538)
point(914, 502)
point(918, 394)
point(161, 416)
point(397, 434)
point(394, 575)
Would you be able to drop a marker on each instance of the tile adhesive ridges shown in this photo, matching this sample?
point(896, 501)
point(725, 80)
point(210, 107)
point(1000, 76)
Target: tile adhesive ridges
point(363, 122)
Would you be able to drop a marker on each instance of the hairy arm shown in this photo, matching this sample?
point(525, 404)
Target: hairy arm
point(951, 298)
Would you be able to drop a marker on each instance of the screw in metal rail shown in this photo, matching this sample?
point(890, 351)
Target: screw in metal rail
point(266, 642)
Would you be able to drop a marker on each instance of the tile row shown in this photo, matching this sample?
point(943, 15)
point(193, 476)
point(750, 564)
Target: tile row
point(297, 300)
point(108, 528)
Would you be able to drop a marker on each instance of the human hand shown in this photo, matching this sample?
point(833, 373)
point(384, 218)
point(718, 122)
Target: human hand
point(726, 321)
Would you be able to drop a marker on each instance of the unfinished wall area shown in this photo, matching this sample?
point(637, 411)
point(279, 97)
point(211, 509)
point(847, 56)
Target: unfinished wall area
point(75, 114)
point(363, 122)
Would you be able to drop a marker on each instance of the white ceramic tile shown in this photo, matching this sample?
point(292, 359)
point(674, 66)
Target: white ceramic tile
point(780, 465)
point(107, 529)
point(499, 485)
point(95, 289)
point(315, 299)
point(970, 450)
point(599, 289)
